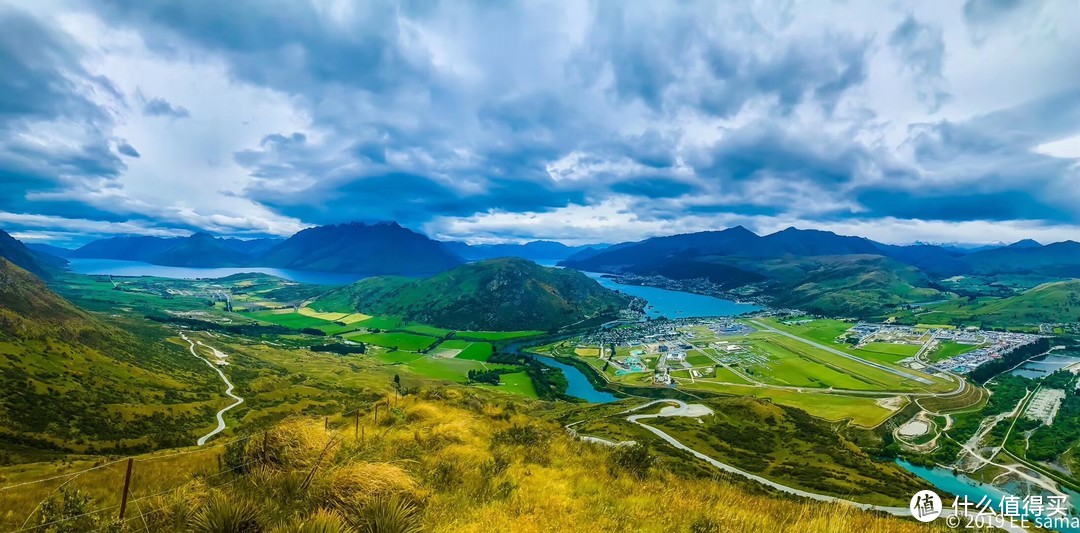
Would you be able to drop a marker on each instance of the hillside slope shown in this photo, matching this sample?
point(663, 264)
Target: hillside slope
point(452, 460)
point(19, 254)
point(66, 377)
point(1050, 303)
point(855, 286)
point(495, 295)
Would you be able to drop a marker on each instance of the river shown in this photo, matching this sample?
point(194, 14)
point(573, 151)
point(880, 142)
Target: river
point(578, 385)
point(1040, 367)
point(662, 302)
point(947, 482)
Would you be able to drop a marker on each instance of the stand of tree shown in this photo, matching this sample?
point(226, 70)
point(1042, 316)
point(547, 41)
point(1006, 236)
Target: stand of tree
point(490, 377)
point(989, 370)
point(338, 348)
point(251, 329)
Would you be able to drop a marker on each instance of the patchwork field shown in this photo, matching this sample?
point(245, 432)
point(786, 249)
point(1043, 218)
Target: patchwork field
point(288, 318)
point(329, 317)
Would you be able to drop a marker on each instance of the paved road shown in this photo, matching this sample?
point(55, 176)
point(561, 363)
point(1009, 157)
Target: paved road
point(889, 369)
point(228, 391)
point(697, 410)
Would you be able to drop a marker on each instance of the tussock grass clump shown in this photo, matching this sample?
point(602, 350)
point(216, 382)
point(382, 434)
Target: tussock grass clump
point(353, 486)
point(389, 515)
point(292, 444)
point(421, 412)
point(230, 513)
point(321, 521)
point(176, 509)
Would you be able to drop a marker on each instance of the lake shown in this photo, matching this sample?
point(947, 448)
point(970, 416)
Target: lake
point(116, 267)
point(676, 304)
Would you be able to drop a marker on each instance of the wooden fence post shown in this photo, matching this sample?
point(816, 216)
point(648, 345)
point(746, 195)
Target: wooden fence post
point(356, 433)
point(127, 486)
point(376, 414)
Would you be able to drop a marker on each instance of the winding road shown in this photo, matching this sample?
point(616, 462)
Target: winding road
point(697, 410)
point(228, 391)
point(681, 408)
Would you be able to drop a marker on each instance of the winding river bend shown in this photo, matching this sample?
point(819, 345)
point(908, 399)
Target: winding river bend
point(228, 391)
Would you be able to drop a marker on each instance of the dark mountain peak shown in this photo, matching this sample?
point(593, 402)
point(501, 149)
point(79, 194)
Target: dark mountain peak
point(1063, 245)
point(202, 235)
point(1025, 243)
point(379, 248)
point(739, 229)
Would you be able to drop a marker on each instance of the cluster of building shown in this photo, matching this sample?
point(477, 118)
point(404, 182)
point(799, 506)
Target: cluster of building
point(694, 285)
point(999, 344)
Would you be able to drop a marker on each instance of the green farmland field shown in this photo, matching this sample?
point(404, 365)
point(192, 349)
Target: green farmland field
point(496, 335)
point(403, 341)
point(289, 319)
point(476, 351)
point(517, 383)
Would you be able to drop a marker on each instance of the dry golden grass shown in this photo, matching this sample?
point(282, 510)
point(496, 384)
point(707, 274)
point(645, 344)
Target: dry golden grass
point(446, 464)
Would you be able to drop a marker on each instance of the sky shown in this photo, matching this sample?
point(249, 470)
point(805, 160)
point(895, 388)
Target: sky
point(577, 121)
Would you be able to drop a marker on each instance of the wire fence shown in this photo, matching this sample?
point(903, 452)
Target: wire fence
point(347, 419)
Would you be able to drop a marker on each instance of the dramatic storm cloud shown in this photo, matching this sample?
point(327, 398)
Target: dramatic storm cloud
point(577, 121)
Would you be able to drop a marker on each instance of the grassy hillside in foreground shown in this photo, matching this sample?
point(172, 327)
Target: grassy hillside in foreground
point(504, 294)
point(446, 461)
point(69, 382)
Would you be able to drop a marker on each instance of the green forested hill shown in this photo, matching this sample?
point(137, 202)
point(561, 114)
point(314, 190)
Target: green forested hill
point(495, 295)
point(854, 286)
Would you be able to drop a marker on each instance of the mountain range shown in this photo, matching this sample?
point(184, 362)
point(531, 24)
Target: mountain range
point(379, 248)
point(813, 269)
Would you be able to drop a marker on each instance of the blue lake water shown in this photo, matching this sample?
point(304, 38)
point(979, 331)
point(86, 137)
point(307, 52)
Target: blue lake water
point(676, 304)
point(117, 267)
point(578, 385)
point(959, 485)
